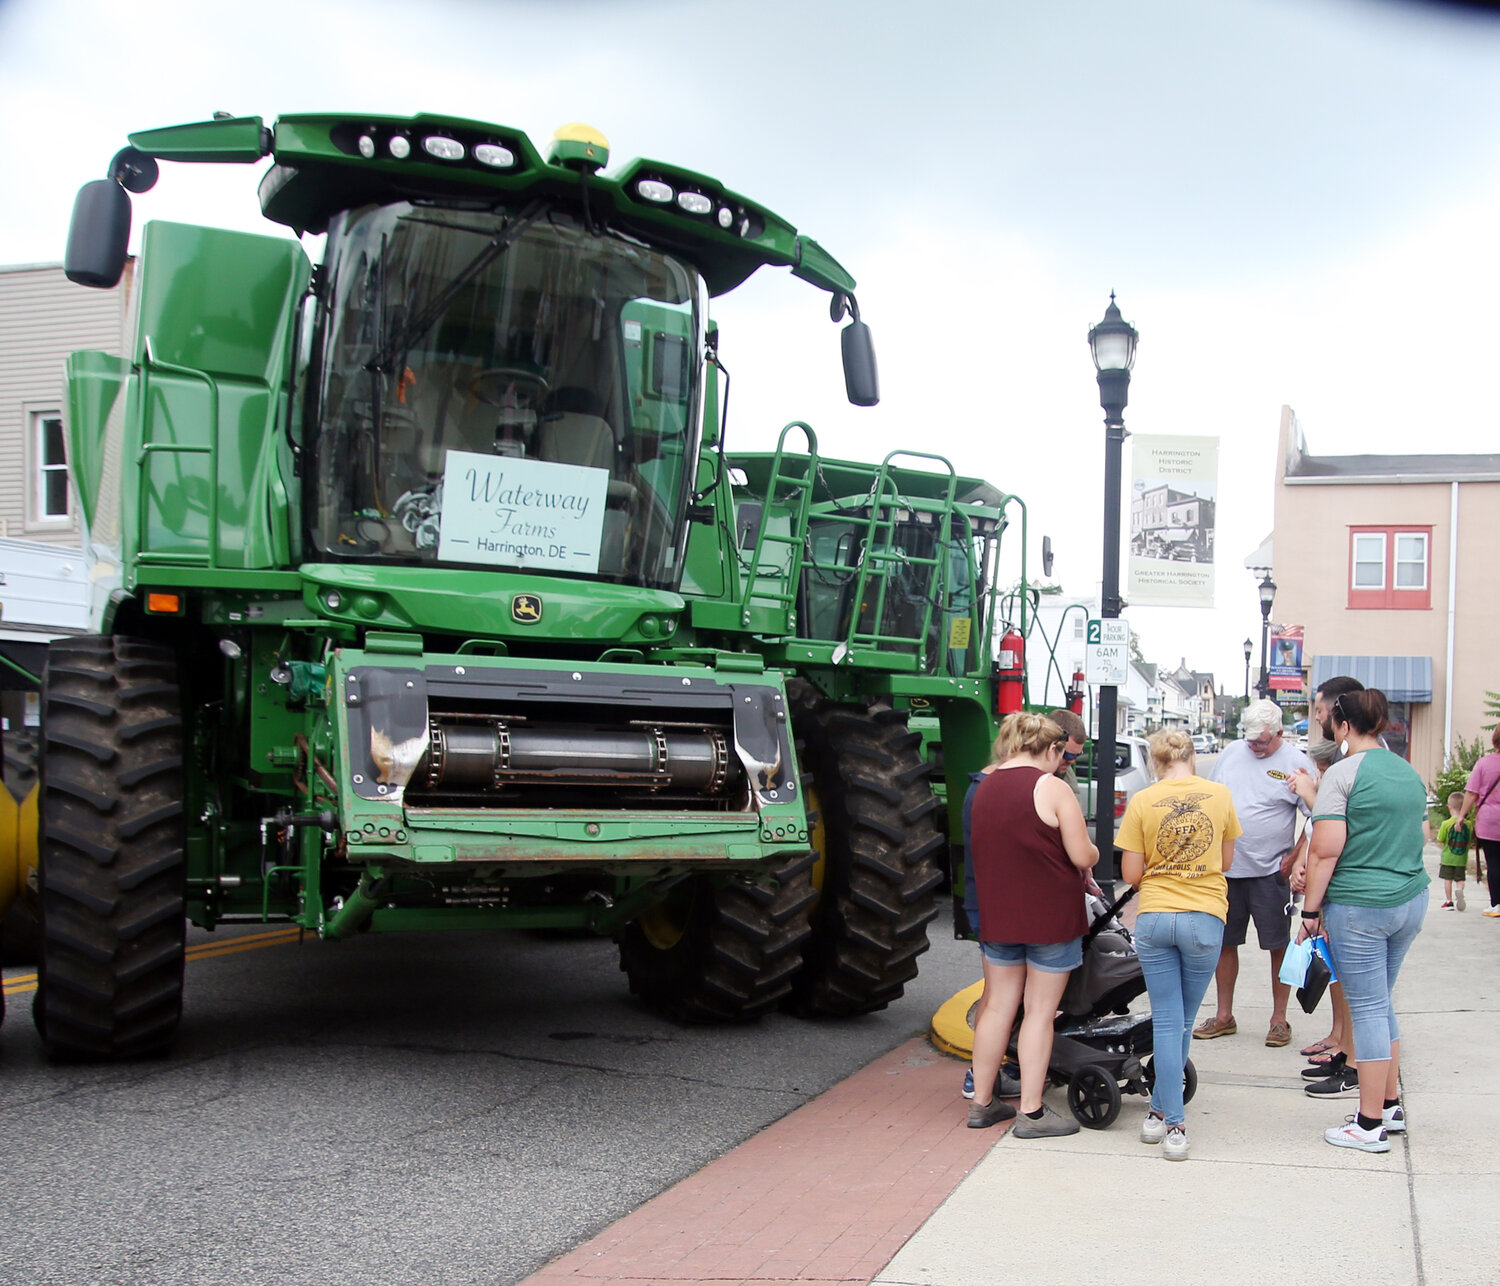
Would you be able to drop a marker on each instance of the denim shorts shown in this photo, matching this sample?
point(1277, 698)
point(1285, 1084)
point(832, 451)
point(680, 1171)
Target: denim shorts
point(1054, 957)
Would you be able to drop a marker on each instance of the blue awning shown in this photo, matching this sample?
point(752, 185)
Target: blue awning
point(1401, 678)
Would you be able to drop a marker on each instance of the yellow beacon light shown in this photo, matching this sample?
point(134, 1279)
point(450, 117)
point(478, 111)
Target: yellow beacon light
point(578, 146)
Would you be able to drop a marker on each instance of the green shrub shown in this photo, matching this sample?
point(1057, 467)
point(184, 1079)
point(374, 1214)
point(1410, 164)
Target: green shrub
point(1465, 755)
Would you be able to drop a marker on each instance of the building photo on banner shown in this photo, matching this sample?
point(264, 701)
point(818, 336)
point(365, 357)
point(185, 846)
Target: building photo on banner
point(1174, 490)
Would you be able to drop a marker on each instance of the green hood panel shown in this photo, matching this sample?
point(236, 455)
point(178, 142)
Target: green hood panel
point(497, 605)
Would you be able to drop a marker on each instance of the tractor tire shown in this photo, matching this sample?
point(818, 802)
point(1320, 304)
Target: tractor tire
point(720, 952)
point(113, 868)
point(19, 927)
point(876, 834)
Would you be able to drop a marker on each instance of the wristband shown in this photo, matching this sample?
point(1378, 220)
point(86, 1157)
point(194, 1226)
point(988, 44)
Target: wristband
point(1311, 915)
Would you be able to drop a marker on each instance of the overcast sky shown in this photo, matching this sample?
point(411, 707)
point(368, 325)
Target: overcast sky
point(1296, 201)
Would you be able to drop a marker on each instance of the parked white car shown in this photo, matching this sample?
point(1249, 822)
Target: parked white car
point(1132, 772)
point(1206, 744)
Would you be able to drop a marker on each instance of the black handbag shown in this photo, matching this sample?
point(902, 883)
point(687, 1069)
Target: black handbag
point(1316, 983)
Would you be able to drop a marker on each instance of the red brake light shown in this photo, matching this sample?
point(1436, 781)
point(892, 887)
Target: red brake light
point(1119, 804)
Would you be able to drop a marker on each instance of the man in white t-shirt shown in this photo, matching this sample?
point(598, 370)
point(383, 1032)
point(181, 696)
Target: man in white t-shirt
point(1256, 771)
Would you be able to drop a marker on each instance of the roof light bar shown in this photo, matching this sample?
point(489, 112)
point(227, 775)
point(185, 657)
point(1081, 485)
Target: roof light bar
point(442, 147)
point(492, 154)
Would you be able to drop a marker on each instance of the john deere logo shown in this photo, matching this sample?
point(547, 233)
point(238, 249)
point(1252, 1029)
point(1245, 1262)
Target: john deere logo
point(526, 608)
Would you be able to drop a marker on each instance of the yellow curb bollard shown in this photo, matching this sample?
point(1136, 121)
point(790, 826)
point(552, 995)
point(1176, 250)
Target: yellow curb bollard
point(951, 1030)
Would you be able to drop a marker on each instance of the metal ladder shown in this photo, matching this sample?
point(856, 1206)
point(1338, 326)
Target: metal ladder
point(881, 558)
point(778, 586)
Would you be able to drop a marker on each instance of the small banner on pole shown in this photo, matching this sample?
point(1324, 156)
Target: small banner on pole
point(1173, 495)
point(1285, 670)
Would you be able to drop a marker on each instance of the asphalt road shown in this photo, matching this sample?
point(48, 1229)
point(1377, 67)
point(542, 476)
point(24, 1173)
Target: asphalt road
point(421, 1108)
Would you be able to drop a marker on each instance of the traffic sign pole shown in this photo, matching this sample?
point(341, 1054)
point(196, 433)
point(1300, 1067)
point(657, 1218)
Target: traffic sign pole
point(1104, 740)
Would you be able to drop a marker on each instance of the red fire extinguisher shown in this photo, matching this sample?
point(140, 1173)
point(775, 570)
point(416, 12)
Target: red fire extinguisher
point(1010, 673)
point(1075, 694)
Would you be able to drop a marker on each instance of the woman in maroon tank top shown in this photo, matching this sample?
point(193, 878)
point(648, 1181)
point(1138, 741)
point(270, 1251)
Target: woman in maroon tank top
point(1030, 846)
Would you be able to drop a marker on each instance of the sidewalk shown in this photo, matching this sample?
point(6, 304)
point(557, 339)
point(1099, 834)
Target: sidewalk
point(868, 1182)
point(1263, 1197)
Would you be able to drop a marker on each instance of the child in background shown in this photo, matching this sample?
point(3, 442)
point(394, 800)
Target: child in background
point(1454, 836)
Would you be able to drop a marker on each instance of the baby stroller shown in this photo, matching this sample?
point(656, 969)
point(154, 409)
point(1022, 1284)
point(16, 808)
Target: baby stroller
point(1098, 1045)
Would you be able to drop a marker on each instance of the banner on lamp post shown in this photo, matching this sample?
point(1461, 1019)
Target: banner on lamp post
point(1174, 484)
point(1285, 669)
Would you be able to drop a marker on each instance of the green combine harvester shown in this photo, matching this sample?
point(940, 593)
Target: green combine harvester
point(428, 595)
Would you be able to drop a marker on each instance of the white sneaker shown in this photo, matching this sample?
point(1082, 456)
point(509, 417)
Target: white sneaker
point(1493, 911)
point(1175, 1148)
point(1153, 1129)
point(1394, 1119)
point(1458, 896)
point(1349, 1135)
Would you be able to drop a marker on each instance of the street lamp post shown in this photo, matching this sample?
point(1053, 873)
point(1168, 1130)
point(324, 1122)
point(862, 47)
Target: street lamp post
point(1267, 597)
point(1248, 648)
point(1112, 343)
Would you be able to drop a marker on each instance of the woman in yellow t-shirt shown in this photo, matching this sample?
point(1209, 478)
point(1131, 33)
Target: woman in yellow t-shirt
point(1177, 840)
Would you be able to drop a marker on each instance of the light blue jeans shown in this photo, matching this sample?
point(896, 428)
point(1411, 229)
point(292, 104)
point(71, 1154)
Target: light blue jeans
point(1368, 944)
point(1179, 952)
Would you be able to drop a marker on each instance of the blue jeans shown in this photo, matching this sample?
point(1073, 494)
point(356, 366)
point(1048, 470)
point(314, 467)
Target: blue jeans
point(1368, 944)
point(1179, 952)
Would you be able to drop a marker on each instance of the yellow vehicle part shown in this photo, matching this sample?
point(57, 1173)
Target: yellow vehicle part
point(18, 846)
point(952, 1029)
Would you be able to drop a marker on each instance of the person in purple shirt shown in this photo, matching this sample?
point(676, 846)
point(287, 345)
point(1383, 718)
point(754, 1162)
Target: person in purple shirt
point(1482, 798)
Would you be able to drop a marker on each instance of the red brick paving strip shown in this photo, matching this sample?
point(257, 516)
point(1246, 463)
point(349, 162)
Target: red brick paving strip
point(823, 1197)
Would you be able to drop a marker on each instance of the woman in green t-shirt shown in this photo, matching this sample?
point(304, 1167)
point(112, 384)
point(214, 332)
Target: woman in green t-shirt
point(1367, 888)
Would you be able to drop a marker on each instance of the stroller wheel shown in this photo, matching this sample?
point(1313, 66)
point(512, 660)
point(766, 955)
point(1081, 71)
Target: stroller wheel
point(1094, 1097)
point(1189, 1078)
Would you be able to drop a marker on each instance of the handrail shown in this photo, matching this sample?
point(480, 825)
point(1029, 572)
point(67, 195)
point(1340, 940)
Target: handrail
point(879, 554)
point(147, 449)
point(796, 537)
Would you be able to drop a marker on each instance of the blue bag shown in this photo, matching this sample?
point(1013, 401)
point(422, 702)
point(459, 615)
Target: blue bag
point(1320, 945)
point(1294, 963)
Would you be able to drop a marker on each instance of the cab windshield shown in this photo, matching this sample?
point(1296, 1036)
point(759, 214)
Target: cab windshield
point(504, 390)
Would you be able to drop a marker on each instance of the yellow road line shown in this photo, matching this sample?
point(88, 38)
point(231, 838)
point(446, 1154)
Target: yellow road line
point(22, 983)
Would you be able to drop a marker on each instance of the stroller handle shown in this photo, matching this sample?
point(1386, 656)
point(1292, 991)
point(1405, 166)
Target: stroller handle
point(1105, 916)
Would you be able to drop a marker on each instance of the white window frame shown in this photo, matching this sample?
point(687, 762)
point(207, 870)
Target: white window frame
point(36, 517)
point(1356, 562)
point(1397, 562)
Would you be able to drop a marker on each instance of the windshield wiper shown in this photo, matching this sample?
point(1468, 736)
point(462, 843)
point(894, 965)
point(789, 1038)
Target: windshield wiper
point(423, 321)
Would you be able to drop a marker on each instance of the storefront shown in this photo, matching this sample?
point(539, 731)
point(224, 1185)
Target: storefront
point(1405, 680)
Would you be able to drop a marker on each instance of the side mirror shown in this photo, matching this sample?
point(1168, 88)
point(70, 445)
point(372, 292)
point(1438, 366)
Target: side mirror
point(98, 235)
point(1047, 556)
point(861, 379)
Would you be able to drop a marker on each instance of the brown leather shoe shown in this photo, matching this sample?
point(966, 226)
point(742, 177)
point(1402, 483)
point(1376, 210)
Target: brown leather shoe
point(1279, 1034)
point(1211, 1027)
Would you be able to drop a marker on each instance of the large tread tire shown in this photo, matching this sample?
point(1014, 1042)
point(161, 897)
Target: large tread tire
point(880, 850)
point(721, 952)
point(113, 868)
